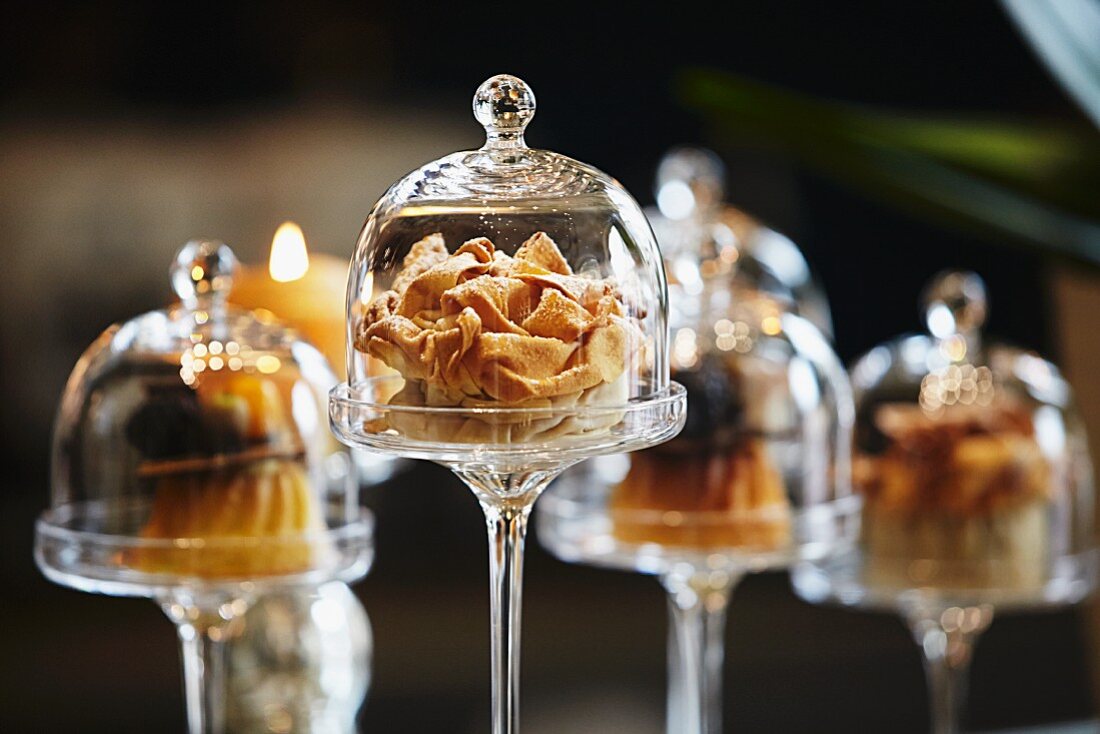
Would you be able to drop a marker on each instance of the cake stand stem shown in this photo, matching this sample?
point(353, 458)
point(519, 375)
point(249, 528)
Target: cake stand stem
point(946, 636)
point(506, 499)
point(696, 652)
point(204, 630)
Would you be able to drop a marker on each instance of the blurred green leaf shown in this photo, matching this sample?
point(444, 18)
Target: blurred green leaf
point(1036, 183)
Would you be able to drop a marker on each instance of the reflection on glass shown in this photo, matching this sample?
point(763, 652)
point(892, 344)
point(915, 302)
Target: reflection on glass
point(300, 662)
point(703, 238)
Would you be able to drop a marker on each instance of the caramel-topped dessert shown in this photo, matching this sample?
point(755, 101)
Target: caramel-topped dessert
point(960, 498)
point(478, 328)
point(230, 480)
point(715, 485)
point(732, 498)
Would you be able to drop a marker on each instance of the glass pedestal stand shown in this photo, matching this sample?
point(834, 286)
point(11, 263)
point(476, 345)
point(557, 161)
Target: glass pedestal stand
point(517, 452)
point(946, 620)
point(301, 663)
point(697, 603)
point(576, 524)
point(92, 546)
point(946, 638)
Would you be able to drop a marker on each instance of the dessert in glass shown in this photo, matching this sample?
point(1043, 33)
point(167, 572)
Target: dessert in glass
point(191, 465)
point(518, 298)
point(762, 459)
point(692, 221)
point(976, 484)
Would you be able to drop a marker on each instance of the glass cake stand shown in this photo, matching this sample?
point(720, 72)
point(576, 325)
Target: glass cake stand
point(977, 489)
point(191, 466)
point(507, 318)
point(506, 479)
point(759, 476)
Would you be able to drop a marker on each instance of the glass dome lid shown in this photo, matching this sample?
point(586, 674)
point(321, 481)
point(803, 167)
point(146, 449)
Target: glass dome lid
point(971, 459)
point(707, 242)
point(191, 443)
point(506, 277)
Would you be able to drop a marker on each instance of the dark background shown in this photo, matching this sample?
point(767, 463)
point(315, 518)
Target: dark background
point(604, 79)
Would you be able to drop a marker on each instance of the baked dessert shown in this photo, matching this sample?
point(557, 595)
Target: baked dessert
point(716, 499)
point(229, 481)
point(715, 485)
point(955, 499)
point(241, 522)
point(478, 328)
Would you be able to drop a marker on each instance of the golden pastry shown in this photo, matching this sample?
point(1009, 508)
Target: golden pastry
point(958, 499)
point(239, 522)
point(717, 499)
point(715, 485)
point(479, 328)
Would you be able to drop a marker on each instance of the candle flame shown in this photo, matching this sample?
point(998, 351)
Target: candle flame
point(289, 258)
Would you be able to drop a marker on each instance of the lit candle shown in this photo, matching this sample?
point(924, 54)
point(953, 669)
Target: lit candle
point(303, 291)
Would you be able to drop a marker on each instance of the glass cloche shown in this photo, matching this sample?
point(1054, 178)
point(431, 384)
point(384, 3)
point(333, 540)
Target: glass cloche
point(701, 237)
point(505, 277)
point(976, 483)
point(192, 464)
point(507, 318)
point(757, 479)
point(972, 462)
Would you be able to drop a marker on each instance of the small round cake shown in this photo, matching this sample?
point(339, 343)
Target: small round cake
point(962, 496)
point(716, 485)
